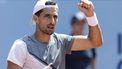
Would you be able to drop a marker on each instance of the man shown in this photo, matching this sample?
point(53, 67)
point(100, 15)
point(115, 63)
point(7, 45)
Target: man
point(80, 59)
point(46, 49)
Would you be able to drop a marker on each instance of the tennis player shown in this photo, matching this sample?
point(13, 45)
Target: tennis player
point(45, 49)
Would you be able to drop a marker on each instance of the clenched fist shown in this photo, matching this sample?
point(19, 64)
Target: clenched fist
point(87, 7)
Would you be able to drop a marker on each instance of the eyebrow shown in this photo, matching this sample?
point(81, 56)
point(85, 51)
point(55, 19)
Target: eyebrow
point(51, 14)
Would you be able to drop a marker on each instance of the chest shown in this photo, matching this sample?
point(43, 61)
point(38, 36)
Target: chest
point(46, 54)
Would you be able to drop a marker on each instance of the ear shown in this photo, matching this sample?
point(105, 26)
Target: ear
point(35, 19)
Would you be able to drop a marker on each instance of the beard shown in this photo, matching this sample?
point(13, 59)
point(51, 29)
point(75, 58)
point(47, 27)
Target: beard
point(49, 29)
point(48, 32)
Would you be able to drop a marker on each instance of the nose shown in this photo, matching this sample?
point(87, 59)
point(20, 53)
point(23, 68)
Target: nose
point(52, 20)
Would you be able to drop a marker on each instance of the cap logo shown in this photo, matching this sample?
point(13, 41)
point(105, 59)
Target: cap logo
point(50, 3)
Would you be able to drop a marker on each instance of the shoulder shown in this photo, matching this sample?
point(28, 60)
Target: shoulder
point(19, 44)
point(62, 36)
point(18, 52)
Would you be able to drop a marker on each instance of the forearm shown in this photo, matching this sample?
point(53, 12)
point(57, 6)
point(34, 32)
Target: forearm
point(95, 35)
point(94, 38)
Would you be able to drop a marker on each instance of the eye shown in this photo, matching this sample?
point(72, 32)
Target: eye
point(55, 16)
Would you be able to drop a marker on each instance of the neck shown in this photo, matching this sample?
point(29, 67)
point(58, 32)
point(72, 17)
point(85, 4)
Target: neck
point(42, 37)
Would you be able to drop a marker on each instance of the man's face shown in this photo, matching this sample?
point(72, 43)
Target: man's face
point(47, 20)
point(77, 27)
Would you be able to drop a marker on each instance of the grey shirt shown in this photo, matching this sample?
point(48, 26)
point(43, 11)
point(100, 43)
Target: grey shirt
point(52, 53)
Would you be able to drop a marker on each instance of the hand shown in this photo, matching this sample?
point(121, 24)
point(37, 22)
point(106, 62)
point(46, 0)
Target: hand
point(87, 7)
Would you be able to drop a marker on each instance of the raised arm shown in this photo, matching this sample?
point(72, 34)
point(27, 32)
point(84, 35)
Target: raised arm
point(94, 38)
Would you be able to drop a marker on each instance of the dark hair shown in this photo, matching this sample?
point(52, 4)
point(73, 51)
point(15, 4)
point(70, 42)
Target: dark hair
point(39, 12)
point(73, 20)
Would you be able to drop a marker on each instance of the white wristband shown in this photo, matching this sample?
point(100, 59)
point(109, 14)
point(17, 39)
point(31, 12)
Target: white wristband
point(92, 21)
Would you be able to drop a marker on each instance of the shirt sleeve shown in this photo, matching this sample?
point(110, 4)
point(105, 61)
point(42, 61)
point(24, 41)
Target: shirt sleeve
point(67, 42)
point(17, 54)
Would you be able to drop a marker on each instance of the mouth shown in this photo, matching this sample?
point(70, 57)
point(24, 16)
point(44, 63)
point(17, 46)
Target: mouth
point(50, 27)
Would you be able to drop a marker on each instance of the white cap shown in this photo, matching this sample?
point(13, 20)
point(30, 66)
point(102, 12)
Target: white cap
point(80, 16)
point(41, 5)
